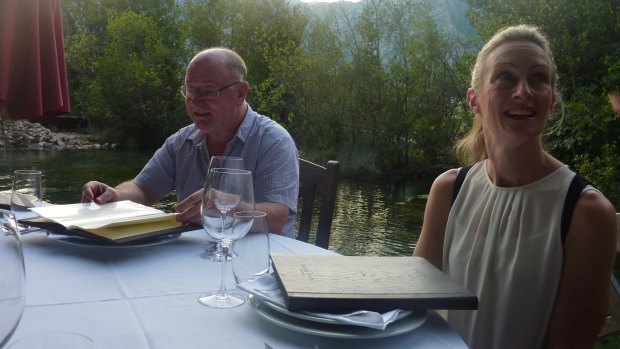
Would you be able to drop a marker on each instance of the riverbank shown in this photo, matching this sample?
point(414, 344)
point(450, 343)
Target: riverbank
point(26, 135)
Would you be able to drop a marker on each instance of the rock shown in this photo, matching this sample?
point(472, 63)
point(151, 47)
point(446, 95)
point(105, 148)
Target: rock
point(24, 134)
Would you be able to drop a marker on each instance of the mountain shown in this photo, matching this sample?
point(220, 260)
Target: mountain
point(449, 14)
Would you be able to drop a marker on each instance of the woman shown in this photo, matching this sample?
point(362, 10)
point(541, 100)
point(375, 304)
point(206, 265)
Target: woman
point(501, 236)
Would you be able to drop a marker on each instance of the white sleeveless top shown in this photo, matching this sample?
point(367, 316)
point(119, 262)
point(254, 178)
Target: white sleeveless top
point(504, 245)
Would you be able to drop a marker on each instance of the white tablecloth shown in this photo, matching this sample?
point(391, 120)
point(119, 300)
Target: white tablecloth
point(146, 297)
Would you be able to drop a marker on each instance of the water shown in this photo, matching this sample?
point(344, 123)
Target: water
point(378, 218)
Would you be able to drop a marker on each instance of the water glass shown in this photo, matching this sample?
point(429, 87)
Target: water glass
point(26, 191)
point(252, 251)
point(12, 276)
point(53, 340)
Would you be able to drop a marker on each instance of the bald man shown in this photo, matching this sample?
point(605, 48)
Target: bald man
point(215, 92)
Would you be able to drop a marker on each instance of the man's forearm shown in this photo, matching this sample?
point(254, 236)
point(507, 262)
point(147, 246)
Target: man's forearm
point(277, 215)
point(130, 190)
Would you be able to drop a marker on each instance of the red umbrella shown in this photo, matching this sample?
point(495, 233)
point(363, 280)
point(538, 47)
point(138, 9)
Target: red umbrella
point(33, 76)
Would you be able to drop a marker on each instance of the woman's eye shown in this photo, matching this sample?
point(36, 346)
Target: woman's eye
point(540, 78)
point(505, 77)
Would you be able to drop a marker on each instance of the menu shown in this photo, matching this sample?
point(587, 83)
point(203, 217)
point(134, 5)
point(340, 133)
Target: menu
point(121, 221)
point(344, 283)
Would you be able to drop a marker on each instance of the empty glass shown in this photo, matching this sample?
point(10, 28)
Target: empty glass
point(252, 251)
point(226, 191)
point(26, 191)
point(212, 250)
point(12, 276)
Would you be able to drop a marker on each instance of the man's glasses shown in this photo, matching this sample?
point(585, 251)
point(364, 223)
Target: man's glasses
point(207, 93)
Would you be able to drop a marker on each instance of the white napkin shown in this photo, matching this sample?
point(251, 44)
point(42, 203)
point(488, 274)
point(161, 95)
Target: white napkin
point(268, 289)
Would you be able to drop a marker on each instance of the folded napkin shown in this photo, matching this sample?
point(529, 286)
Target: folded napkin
point(267, 288)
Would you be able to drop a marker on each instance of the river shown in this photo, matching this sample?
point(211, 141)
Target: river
point(378, 218)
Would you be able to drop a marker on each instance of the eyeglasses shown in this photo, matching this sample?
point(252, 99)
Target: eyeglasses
point(207, 93)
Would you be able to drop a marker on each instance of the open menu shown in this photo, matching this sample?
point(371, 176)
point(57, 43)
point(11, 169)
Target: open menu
point(5, 199)
point(345, 283)
point(119, 222)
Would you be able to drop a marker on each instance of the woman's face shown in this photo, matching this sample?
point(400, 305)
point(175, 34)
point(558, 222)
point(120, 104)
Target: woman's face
point(516, 96)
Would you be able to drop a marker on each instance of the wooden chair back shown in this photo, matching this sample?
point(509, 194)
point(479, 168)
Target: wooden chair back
point(311, 176)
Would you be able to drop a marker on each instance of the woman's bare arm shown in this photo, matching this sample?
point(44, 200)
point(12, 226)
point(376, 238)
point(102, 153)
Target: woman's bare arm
point(582, 300)
point(430, 243)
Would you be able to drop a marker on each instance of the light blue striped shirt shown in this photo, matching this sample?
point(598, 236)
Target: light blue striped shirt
point(267, 149)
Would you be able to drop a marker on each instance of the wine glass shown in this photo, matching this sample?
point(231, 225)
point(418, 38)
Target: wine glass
point(26, 191)
point(53, 340)
point(212, 250)
point(12, 276)
point(252, 250)
point(226, 191)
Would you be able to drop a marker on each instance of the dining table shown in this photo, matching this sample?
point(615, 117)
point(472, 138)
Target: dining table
point(146, 296)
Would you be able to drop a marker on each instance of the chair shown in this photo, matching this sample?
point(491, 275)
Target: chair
point(612, 324)
point(312, 175)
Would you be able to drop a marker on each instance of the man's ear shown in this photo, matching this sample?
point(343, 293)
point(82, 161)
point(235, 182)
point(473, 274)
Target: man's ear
point(472, 101)
point(243, 90)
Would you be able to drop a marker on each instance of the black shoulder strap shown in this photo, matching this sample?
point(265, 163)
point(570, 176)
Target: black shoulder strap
point(458, 183)
point(574, 190)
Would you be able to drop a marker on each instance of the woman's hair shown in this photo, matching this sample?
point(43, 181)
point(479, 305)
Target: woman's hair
point(471, 148)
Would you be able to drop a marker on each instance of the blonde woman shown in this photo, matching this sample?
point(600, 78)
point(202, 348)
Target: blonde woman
point(542, 281)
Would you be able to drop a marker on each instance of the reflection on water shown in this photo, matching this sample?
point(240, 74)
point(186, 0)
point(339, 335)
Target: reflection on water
point(381, 218)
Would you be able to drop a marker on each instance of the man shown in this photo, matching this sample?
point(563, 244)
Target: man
point(223, 124)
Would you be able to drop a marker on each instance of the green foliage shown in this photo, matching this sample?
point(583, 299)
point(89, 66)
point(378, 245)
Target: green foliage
point(378, 85)
point(125, 70)
point(611, 82)
point(602, 170)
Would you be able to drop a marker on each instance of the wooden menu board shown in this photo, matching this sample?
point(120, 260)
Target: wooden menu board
point(344, 283)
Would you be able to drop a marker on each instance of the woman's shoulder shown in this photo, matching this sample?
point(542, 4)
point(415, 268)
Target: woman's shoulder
point(450, 177)
point(446, 179)
point(594, 216)
point(445, 185)
point(592, 203)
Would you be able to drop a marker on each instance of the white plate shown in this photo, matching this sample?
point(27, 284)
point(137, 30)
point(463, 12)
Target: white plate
point(310, 317)
point(78, 241)
point(406, 324)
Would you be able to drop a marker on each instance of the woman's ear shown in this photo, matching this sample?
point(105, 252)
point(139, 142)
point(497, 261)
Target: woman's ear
point(554, 100)
point(472, 101)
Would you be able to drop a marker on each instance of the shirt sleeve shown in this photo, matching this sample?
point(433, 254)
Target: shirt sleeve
point(158, 174)
point(277, 171)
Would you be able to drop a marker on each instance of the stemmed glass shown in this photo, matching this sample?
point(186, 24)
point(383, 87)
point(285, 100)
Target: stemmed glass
point(12, 276)
point(226, 191)
point(212, 250)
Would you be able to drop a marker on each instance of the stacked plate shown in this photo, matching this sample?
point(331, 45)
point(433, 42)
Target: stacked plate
point(308, 323)
point(80, 241)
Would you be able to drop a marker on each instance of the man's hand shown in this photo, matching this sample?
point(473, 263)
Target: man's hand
point(99, 192)
point(189, 209)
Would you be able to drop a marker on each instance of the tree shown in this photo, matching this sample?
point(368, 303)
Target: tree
point(426, 87)
point(138, 78)
point(125, 68)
